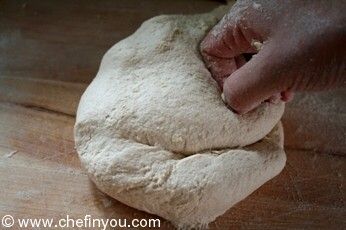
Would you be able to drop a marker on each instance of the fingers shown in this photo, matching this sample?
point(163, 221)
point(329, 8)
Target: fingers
point(220, 68)
point(223, 47)
point(255, 82)
point(294, 57)
point(245, 84)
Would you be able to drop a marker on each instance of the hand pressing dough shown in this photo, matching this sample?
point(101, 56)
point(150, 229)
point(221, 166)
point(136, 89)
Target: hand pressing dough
point(153, 132)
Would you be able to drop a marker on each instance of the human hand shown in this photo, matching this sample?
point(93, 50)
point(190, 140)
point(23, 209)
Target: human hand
point(300, 45)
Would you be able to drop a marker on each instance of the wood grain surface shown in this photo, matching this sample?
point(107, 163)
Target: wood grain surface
point(50, 50)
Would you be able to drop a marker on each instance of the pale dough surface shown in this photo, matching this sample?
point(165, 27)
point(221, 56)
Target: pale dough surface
point(153, 132)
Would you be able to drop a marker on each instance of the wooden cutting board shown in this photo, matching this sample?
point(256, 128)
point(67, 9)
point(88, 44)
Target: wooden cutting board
point(50, 50)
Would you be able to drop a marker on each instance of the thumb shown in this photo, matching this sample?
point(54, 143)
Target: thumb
point(255, 82)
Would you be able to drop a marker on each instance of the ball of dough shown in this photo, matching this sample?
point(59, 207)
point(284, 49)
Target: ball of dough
point(153, 132)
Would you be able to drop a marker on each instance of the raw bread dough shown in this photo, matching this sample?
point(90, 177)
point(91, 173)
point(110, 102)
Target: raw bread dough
point(152, 130)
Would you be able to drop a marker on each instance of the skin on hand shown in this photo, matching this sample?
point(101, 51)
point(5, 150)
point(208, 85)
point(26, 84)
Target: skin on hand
point(298, 46)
